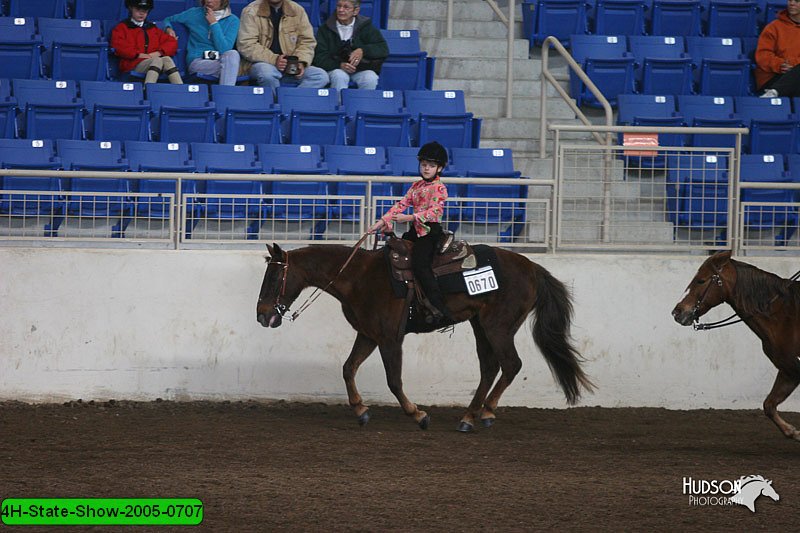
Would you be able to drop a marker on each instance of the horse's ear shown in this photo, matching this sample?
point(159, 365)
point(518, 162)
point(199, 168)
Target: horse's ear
point(271, 251)
point(277, 252)
point(720, 258)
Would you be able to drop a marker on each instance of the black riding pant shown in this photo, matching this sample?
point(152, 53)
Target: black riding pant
point(421, 260)
point(787, 84)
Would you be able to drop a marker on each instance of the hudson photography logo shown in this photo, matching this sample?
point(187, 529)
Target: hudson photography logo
point(743, 491)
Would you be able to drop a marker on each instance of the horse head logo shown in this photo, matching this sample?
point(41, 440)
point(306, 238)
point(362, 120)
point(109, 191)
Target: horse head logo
point(751, 488)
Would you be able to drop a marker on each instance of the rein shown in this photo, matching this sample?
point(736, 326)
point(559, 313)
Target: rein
point(282, 309)
point(734, 318)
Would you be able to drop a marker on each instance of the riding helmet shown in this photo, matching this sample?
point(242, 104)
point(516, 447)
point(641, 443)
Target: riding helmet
point(433, 151)
point(141, 4)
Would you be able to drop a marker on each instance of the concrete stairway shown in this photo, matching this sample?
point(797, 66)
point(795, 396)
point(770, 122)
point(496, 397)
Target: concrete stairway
point(474, 61)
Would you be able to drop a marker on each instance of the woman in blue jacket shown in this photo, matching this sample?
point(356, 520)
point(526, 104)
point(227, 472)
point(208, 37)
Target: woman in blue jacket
point(212, 35)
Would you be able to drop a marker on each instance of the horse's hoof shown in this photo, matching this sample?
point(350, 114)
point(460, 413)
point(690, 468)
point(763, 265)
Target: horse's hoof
point(425, 422)
point(487, 422)
point(363, 419)
point(465, 427)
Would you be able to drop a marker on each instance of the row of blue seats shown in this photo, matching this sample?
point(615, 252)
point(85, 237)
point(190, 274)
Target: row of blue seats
point(318, 10)
point(79, 49)
point(660, 65)
point(714, 18)
point(233, 114)
point(774, 127)
point(239, 159)
point(697, 192)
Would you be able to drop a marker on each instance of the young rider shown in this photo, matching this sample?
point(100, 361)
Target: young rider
point(427, 197)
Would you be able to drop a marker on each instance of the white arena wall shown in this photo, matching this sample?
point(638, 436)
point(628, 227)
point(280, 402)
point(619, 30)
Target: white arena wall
point(180, 325)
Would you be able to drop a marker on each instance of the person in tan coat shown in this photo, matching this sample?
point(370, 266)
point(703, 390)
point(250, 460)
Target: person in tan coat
point(275, 40)
point(778, 54)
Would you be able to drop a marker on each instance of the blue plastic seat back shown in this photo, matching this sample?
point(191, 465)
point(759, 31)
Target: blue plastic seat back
point(314, 10)
point(356, 160)
point(77, 31)
point(238, 5)
point(606, 60)
point(30, 154)
point(51, 108)
point(403, 161)
point(312, 116)
point(484, 162)
point(697, 190)
point(182, 113)
point(115, 111)
point(211, 157)
point(773, 126)
point(721, 68)
point(732, 19)
point(435, 102)
point(662, 66)
point(99, 9)
point(303, 99)
point(25, 153)
point(376, 118)
point(171, 95)
point(620, 17)
point(100, 205)
point(18, 29)
point(158, 156)
point(367, 101)
point(709, 111)
point(291, 159)
point(247, 114)
point(91, 155)
point(164, 8)
point(676, 17)
point(38, 8)
point(402, 42)
point(559, 18)
point(768, 168)
point(406, 66)
point(632, 106)
point(20, 51)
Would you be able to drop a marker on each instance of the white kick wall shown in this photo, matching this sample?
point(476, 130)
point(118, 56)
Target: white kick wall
point(180, 325)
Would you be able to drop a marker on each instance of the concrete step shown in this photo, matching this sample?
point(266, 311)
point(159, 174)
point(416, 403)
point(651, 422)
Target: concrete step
point(517, 146)
point(482, 69)
point(492, 87)
point(462, 10)
point(479, 29)
point(463, 47)
point(642, 233)
point(521, 107)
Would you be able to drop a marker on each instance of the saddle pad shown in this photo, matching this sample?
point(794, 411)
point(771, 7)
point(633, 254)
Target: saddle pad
point(449, 283)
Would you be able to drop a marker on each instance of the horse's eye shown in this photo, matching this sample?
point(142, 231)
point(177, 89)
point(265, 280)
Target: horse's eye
point(699, 281)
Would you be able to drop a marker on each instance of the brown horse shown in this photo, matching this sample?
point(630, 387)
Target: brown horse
point(369, 305)
point(768, 304)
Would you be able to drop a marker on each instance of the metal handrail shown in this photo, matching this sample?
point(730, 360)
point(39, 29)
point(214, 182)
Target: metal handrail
point(547, 76)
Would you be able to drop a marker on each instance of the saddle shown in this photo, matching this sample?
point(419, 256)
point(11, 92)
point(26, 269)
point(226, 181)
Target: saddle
point(451, 256)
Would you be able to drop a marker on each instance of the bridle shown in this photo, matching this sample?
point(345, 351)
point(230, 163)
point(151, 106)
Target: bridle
point(282, 310)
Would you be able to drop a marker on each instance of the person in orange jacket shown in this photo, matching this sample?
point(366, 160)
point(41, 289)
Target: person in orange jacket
point(778, 54)
point(142, 46)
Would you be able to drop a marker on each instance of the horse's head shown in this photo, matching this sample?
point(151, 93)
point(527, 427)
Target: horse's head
point(709, 287)
point(276, 294)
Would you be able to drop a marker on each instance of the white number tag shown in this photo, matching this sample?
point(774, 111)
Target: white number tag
point(480, 280)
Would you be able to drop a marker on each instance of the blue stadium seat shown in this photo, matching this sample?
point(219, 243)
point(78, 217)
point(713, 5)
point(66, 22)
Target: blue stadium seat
point(619, 17)
point(100, 9)
point(51, 109)
point(38, 8)
point(357, 160)
point(732, 19)
point(376, 118)
point(248, 115)
point(783, 218)
point(164, 8)
point(442, 116)
point(238, 5)
point(314, 11)
point(20, 48)
point(403, 161)
point(102, 206)
point(771, 10)
point(606, 60)
point(676, 17)
point(369, 8)
point(722, 69)
point(226, 158)
point(484, 162)
point(31, 154)
point(161, 157)
point(697, 191)
point(773, 126)
point(406, 67)
point(115, 111)
point(182, 113)
point(559, 18)
point(285, 205)
point(710, 112)
point(651, 110)
point(74, 49)
point(91, 155)
point(312, 116)
point(662, 66)
point(291, 159)
point(8, 111)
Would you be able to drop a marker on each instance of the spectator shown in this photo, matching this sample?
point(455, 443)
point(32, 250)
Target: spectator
point(142, 47)
point(212, 35)
point(277, 40)
point(350, 48)
point(778, 54)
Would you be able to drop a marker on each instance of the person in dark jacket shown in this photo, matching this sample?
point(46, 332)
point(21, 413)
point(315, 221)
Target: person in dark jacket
point(350, 48)
point(142, 46)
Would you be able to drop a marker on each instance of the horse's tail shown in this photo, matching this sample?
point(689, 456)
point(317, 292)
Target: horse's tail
point(551, 325)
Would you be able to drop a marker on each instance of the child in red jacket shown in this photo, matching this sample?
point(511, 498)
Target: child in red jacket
point(142, 47)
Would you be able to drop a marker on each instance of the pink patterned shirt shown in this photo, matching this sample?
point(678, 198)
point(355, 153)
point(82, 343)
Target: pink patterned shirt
point(427, 198)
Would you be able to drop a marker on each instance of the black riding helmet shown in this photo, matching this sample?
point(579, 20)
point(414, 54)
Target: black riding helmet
point(141, 4)
point(433, 151)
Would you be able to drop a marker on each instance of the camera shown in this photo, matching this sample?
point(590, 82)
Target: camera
point(210, 54)
point(292, 66)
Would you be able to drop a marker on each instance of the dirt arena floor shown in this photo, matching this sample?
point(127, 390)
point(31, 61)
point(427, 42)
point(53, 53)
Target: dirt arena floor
point(310, 467)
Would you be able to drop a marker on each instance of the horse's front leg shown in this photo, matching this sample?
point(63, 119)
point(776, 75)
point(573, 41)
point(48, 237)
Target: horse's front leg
point(783, 387)
point(362, 349)
point(392, 355)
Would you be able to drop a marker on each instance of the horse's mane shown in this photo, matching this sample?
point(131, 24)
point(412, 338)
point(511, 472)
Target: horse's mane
point(744, 480)
point(757, 289)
